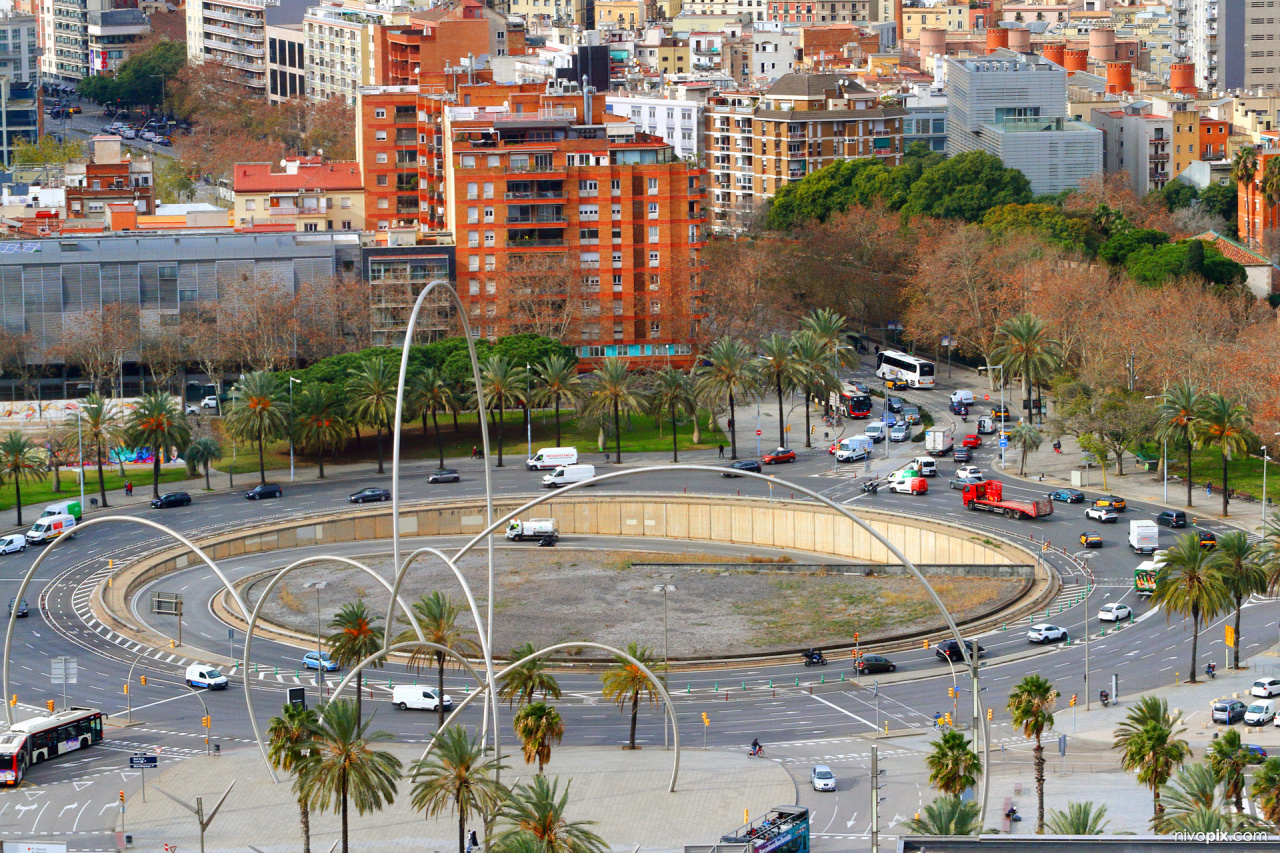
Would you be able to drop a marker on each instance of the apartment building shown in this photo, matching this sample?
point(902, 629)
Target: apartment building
point(443, 36)
point(306, 194)
point(339, 48)
point(108, 177)
point(69, 29)
point(1185, 148)
point(19, 46)
point(1232, 43)
point(819, 11)
point(232, 32)
point(286, 62)
point(110, 35)
point(1213, 139)
point(1136, 143)
point(677, 122)
point(730, 157)
point(19, 115)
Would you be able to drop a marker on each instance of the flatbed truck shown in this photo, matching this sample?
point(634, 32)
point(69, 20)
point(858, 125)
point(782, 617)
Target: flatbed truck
point(989, 495)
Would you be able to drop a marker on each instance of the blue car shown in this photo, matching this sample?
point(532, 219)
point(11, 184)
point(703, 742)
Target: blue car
point(1068, 496)
point(321, 660)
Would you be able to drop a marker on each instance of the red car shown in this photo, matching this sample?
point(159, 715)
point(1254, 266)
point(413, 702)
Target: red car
point(971, 440)
point(782, 454)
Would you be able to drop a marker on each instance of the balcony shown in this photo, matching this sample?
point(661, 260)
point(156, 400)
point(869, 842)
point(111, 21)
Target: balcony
point(256, 33)
point(246, 49)
point(544, 219)
point(1158, 158)
point(797, 134)
point(232, 16)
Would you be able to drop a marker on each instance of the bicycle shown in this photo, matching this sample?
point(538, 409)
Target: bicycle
point(758, 752)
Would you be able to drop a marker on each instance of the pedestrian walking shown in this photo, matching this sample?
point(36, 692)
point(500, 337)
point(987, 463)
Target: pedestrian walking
point(128, 488)
point(473, 843)
point(722, 451)
point(1208, 488)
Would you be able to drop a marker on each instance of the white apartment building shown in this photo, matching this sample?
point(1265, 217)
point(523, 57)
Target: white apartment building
point(234, 32)
point(339, 50)
point(19, 47)
point(65, 36)
point(1136, 143)
point(1233, 43)
point(110, 34)
point(679, 123)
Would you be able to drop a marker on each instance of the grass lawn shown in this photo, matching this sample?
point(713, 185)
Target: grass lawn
point(36, 494)
point(1243, 475)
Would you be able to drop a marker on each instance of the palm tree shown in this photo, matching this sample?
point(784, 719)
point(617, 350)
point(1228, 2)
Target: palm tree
point(1177, 412)
point(1027, 439)
point(1079, 819)
point(953, 766)
point(358, 635)
point(1239, 563)
point(1189, 585)
point(672, 396)
point(1244, 167)
point(538, 809)
point(527, 679)
point(504, 384)
point(538, 725)
point(258, 411)
point(828, 326)
point(947, 815)
point(1154, 751)
point(519, 842)
point(779, 371)
point(1224, 424)
point(816, 366)
point(730, 373)
point(1195, 787)
point(1031, 707)
point(157, 423)
point(1147, 710)
point(625, 681)
point(202, 452)
point(429, 393)
point(613, 389)
point(20, 461)
point(1270, 183)
point(320, 421)
point(372, 387)
point(343, 766)
point(437, 615)
point(1023, 346)
point(101, 425)
point(557, 381)
point(1228, 758)
point(1265, 789)
point(289, 743)
point(457, 777)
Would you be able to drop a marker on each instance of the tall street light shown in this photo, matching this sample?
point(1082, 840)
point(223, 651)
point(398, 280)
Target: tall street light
point(1003, 441)
point(80, 445)
point(664, 588)
point(1265, 459)
point(291, 381)
point(1164, 465)
point(317, 586)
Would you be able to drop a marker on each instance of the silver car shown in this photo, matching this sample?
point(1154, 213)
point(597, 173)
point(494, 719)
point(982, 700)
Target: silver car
point(823, 779)
point(899, 432)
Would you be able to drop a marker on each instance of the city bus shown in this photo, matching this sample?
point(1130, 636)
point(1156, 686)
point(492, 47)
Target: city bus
point(41, 738)
point(850, 402)
point(901, 367)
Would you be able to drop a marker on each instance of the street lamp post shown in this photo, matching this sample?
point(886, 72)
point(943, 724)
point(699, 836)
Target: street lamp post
point(664, 588)
point(291, 381)
point(80, 467)
point(1265, 460)
point(1002, 440)
point(1084, 557)
point(1164, 465)
point(317, 586)
point(528, 415)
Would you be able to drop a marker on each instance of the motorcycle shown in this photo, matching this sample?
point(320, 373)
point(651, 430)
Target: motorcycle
point(548, 541)
point(814, 657)
point(1104, 697)
point(870, 487)
point(1211, 671)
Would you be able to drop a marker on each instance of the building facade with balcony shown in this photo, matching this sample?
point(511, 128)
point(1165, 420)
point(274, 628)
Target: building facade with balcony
point(1136, 143)
point(677, 122)
point(307, 194)
point(19, 46)
point(233, 32)
point(286, 62)
point(70, 28)
point(19, 115)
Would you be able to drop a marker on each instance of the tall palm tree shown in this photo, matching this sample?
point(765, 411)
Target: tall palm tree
point(504, 384)
point(1031, 706)
point(1023, 346)
point(953, 765)
point(947, 815)
point(556, 381)
point(203, 452)
point(437, 614)
point(1224, 424)
point(21, 461)
point(289, 743)
point(101, 425)
point(159, 424)
point(1154, 752)
point(1244, 167)
point(538, 809)
point(457, 776)
point(1271, 183)
point(1079, 819)
point(259, 411)
point(671, 396)
point(1148, 709)
point(358, 635)
point(816, 366)
point(1239, 563)
point(1189, 585)
point(1265, 789)
point(624, 682)
point(613, 388)
point(729, 374)
point(1185, 796)
point(1229, 759)
point(429, 393)
point(521, 683)
point(1177, 412)
point(372, 390)
point(538, 725)
point(828, 327)
point(343, 766)
point(320, 422)
point(1027, 439)
point(781, 373)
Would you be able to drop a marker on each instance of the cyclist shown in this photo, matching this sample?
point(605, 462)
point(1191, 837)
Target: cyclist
point(937, 720)
point(756, 748)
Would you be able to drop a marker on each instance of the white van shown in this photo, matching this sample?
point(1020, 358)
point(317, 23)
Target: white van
point(963, 398)
point(71, 508)
point(926, 465)
point(853, 449)
point(1260, 712)
point(552, 457)
point(13, 543)
point(568, 474)
point(206, 675)
point(876, 431)
point(49, 528)
point(411, 697)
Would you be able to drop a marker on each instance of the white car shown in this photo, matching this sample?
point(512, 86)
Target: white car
point(1265, 688)
point(192, 409)
point(1105, 514)
point(1114, 613)
point(1047, 634)
point(209, 403)
point(969, 471)
point(13, 543)
point(823, 779)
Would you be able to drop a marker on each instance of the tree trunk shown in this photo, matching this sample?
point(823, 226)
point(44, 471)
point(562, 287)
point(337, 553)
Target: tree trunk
point(102, 480)
point(359, 692)
point(675, 443)
point(1224, 483)
point(501, 434)
point(262, 459)
point(1189, 471)
point(462, 829)
point(733, 430)
point(381, 469)
point(440, 687)
point(782, 426)
point(304, 819)
point(557, 398)
point(635, 712)
point(435, 422)
point(1235, 651)
point(155, 470)
point(320, 465)
point(57, 474)
point(1039, 762)
point(207, 487)
point(617, 433)
point(456, 428)
point(1195, 639)
point(808, 432)
point(17, 496)
point(344, 811)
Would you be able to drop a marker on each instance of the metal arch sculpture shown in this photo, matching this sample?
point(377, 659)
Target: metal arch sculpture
point(94, 522)
point(657, 682)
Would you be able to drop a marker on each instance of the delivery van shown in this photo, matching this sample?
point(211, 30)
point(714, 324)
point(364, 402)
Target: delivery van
point(853, 449)
point(534, 528)
point(876, 431)
point(411, 697)
point(1144, 536)
point(552, 457)
point(49, 528)
point(566, 474)
point(71, 508)
point(206, 675)
point(927, 466)
point(1260, 712)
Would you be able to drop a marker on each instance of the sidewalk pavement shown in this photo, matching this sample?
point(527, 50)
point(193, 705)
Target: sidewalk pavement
point(624, 792)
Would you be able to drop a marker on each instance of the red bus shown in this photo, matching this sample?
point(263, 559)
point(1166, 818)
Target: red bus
point(851, 403)
point(42, 738)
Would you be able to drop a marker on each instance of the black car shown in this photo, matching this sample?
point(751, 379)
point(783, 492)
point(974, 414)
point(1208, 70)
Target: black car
point(950, 649)
point(961, 453)
point(875, 663)
point(1067, 496)
point(1207, 539)
point(264, 490)
point(444, 475)
point(1172, 518)
point(893, 404)
point(20, 610)
point(171, 499)
point(371, 494)
point(743, 465)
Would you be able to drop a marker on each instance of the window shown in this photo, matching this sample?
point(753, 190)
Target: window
point(589, 235)
point(380, 157)
point(653, 186)
point(383, 204)
point(490, 287)
point(655, 328)
point(588, 211)
point(615, 186)
point(653, 259)
point(473, 263)
point(473, 238)
point(345, 203)
point(381, 180)
point(250, 204)
point(488, 189)
point(617, 235)
point(653, 210)
point(473, 214)
point(380, 112)
point(617, 283)
point(468, 161)
point(653, 233)
point(587, 187)
point(617, 260)
point(489, 264)
point(488, 214)
point(311, 226)
point(379, 136)
point(473, 190)
point(489, 239)
point(346, 225)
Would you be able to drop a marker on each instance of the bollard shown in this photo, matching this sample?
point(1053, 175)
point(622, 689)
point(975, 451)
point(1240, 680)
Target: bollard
point(1175, 679)
point(1104, 632)
point(688, 688)
point(797, 681)
point(822, 679)
point(770, 683)
point(726, 696)
point(744, 685)
point(276, 673)
point(717, 686)
point(842, 678)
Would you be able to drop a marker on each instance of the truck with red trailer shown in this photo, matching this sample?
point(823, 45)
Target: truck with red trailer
point(989, 495)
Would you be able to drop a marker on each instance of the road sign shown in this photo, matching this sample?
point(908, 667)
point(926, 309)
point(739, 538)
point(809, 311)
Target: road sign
point(759, 432)
point(143, 762)
point(1062, 745)
point(298, 697)
point(1231, 634)
point(64, 670)
point(166, 603)
point(986, 396)
point(946, 342)
point(1004, 442)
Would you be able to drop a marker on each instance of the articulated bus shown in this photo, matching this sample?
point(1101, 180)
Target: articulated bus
point(850, 402)
point(41, 738)
point(901, 367)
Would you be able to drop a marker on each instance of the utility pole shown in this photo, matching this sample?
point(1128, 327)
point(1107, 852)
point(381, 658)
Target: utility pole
point(875, 799)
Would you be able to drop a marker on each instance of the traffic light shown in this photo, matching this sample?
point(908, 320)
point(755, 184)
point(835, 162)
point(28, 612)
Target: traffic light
point(947, 718)
point(855, 636)
point(1073, 700)
point(990, 714)
point(206, 721)
point(49, 704)
point(122, 798)
point(143, 680)
point(951, 693)
point(126, 690)
point(705, 721)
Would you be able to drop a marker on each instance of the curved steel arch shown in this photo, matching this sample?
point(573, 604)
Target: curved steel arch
point(94, 522)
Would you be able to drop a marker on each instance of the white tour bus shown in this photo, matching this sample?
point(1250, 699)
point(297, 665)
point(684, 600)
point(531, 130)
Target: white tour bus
point(901, 367)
